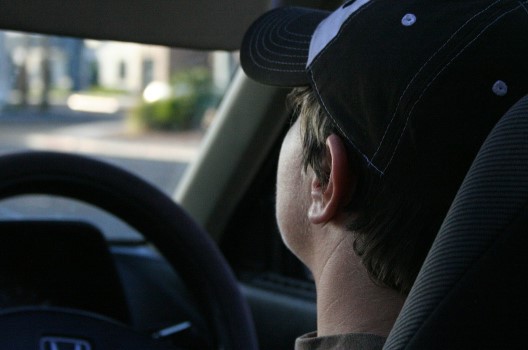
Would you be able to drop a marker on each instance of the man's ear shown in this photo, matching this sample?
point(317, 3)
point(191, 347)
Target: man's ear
point(328, 200)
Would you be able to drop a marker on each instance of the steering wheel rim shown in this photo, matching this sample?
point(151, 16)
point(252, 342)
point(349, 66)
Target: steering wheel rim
point(184, 244)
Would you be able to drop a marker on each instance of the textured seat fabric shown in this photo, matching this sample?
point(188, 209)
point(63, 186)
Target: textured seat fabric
point(471, 290)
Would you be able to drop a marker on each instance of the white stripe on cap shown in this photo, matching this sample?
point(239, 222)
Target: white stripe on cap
point(329, 28)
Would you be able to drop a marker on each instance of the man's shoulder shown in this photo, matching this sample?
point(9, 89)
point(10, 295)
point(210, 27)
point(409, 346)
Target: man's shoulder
point(353, 341)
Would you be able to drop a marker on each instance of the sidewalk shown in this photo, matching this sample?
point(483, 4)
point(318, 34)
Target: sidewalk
point(63, 130)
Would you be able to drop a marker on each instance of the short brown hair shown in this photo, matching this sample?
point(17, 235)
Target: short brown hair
point(395, 225)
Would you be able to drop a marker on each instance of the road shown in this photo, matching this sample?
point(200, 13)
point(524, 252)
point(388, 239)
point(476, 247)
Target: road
point(158, 158)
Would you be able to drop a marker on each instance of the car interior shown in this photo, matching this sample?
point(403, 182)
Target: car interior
point(202, 265)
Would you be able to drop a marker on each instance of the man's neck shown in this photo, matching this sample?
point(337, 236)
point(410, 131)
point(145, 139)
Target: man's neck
point(348, 301)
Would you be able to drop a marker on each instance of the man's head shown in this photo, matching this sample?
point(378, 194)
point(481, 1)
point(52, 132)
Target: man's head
point(393, 228)
point(412, 88)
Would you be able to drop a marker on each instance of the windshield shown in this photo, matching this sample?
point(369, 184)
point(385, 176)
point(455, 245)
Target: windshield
point(143, 108)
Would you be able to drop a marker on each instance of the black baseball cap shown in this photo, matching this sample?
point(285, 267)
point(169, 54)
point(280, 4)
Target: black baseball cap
point(412, 84)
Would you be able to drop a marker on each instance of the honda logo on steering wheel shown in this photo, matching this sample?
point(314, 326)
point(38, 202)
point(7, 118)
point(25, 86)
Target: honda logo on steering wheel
point(60, 343)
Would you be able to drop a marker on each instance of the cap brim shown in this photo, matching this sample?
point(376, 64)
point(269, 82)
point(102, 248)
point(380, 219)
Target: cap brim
point(275, 48)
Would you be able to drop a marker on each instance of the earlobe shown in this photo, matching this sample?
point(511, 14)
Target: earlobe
point(328, 200)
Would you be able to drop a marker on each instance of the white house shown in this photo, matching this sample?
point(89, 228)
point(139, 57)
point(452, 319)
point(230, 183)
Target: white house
point(129, 66)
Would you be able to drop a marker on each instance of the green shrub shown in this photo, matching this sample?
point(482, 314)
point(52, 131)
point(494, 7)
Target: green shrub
point(192, 95)
point(169, 114)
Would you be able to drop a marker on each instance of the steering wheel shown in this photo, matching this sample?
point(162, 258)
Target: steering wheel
point(182, 242)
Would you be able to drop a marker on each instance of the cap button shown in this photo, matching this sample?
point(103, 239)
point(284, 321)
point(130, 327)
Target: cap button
point(408, 20)
point(500, 88)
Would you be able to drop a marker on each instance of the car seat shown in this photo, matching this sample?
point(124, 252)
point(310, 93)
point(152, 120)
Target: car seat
point(471, 290)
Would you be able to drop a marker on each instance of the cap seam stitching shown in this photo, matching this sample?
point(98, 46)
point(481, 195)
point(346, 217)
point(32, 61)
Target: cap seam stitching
point(277, 62)
point(287, 23)
point(273, 29)
point(253, 49)
point(438, 74)
point(337, 124)
point(421, 69)
point(296, 34)
point(523, 6)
